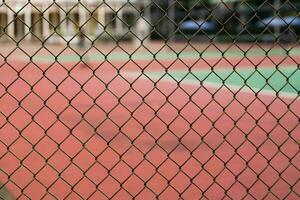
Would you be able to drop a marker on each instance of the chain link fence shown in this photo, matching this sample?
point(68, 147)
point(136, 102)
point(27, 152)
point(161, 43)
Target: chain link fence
point(149, 99)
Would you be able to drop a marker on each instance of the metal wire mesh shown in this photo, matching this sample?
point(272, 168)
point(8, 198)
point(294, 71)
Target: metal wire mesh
point(149, 99)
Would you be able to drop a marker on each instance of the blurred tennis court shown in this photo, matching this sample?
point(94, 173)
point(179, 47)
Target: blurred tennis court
point(195, 120)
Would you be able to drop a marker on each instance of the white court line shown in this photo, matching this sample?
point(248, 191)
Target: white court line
point(212, 85)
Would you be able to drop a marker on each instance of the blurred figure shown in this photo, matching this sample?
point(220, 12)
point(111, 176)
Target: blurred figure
point(82, 44)
point(141, 32)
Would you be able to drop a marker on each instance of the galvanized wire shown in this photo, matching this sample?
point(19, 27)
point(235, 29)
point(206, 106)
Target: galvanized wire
point(136, 105)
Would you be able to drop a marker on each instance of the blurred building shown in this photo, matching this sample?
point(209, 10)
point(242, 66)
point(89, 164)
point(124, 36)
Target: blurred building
point(62, 19)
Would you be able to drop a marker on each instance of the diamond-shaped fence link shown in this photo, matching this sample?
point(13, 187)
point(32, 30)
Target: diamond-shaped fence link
point(149, 99)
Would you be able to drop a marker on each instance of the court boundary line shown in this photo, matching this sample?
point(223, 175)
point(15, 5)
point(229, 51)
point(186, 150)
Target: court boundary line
point(212, 85)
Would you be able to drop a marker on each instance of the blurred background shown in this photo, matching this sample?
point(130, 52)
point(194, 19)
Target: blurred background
point(231, 20)
point(115, 20)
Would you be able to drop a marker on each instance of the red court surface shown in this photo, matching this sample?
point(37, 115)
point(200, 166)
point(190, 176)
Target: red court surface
point(96, 133)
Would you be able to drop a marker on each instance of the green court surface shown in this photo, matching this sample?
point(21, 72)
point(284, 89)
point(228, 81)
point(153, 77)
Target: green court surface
point(121, 55)
point(269, 79)
point(282, 79)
